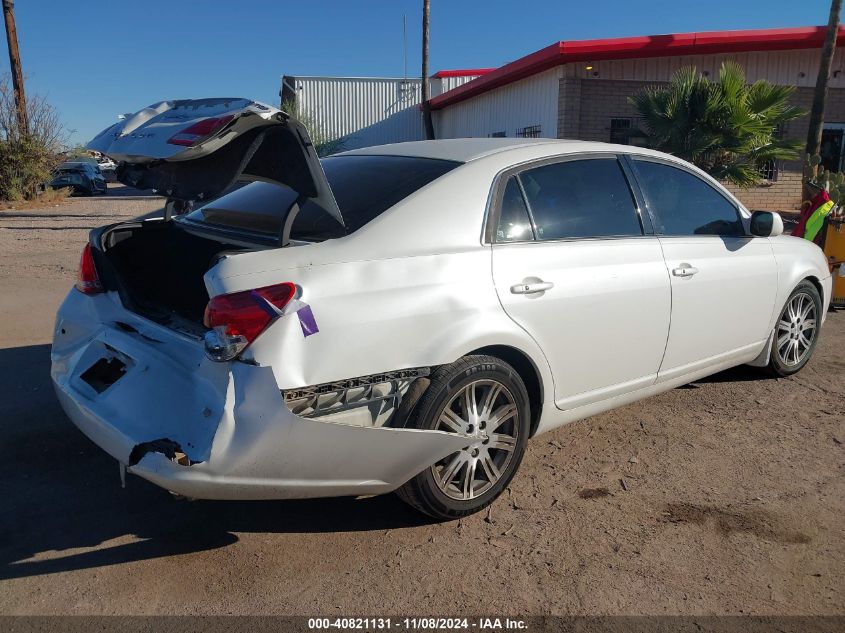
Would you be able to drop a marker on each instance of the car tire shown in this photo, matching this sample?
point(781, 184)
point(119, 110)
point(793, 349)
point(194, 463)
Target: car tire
point(796, 331)
point(470, 479)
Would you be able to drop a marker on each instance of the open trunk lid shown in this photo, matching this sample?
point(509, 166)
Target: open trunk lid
point(194, 149)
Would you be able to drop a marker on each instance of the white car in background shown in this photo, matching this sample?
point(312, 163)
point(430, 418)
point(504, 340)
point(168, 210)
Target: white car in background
point(404, 317)
point(106, 164)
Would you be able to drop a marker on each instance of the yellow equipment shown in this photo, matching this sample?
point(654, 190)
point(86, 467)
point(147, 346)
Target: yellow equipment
point(834, 249)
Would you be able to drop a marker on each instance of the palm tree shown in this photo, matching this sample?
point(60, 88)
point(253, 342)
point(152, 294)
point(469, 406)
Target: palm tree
point(728, 128)
point(814, 130)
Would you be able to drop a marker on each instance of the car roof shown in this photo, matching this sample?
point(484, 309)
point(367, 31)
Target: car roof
point(468, 149)
point(457, 149)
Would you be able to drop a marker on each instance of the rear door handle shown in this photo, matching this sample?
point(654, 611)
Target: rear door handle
point(684, 270)
point(531, 288)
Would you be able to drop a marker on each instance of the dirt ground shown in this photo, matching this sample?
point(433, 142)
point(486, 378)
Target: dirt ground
point(733, 499)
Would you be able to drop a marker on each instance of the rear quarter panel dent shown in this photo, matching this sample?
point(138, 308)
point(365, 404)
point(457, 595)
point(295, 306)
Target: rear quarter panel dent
point(384, 315)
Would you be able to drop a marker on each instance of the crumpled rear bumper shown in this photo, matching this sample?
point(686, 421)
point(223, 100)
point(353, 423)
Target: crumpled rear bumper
point(239, 439)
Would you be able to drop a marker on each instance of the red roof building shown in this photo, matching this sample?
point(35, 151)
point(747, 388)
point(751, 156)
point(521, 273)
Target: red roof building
point(580, 89)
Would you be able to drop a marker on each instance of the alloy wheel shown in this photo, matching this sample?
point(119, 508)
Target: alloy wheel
point(796, 329)
point(484, 410)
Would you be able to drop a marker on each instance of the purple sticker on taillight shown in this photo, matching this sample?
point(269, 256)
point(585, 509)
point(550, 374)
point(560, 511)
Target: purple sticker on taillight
point(306, 321)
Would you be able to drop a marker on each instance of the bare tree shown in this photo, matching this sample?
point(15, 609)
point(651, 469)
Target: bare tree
point(814, 133)
point(426, 106)
point(45, 126)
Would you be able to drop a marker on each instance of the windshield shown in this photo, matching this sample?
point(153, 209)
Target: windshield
point(364, 187)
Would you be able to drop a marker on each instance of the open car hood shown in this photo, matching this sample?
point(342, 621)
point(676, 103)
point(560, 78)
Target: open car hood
point(194, 149)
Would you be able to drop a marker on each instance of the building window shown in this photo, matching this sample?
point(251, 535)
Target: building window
point(531, 131)
point(620, 130)
point(769, 170)
point(497, 134)
point(626, 131)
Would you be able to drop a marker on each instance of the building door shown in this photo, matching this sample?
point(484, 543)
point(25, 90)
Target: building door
point(833, 146)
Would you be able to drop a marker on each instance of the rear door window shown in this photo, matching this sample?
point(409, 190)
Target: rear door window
point(581, 198)
point(684, 204)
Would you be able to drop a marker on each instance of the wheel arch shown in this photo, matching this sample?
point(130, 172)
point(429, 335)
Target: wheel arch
point(799, 260)
point(818, 284)
point(528, 372)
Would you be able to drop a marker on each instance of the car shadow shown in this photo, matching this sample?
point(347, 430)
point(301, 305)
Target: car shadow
point(63, 507)
point(49, 228)
point(741, 373)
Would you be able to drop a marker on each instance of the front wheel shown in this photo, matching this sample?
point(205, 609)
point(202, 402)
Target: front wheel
point(796, 330)
point(483, 398)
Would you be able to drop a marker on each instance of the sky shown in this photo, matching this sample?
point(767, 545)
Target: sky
point(96, 59)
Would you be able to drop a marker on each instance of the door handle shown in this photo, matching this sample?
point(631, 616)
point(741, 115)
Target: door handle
point(531, 288)
point(684, 270)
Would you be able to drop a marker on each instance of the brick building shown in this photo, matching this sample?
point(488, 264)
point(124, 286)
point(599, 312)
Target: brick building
point(580, 89)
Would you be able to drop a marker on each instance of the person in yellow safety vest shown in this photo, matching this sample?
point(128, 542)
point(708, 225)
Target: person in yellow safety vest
point(812, 219)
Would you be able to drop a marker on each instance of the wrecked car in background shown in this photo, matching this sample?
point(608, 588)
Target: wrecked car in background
point(82, 176)
point(403, 318)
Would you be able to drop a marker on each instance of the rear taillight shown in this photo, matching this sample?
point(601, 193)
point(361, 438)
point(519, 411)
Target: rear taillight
point(235, 320)
point(87, 280)
point(200, 130)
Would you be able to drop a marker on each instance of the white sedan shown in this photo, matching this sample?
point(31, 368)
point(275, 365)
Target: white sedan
point(405, 317)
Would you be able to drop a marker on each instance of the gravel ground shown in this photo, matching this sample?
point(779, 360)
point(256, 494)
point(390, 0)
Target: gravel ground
point(733, 499)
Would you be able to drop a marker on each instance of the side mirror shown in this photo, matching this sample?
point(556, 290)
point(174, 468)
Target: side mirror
point(766, 224)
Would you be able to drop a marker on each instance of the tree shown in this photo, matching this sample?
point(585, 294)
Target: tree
point(814, 132)
point(45, 126)
point(27, 159)
point(426, 106)
point(323, 141)
point(726, 127)
point(31, 134)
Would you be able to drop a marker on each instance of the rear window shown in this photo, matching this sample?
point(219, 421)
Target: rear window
point(364, 187)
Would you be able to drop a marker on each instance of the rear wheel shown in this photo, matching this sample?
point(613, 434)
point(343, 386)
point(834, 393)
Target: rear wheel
point(484, 399)
point(796, 330)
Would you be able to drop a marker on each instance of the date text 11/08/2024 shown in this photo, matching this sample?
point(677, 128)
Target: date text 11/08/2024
point(417, 624)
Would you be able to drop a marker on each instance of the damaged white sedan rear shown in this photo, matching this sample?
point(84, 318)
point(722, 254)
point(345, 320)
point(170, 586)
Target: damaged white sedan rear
point(401, 318)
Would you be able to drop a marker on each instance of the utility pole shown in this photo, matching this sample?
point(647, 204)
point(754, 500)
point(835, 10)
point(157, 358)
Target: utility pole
point(15, 63)
point(814, 133)
point(426, 107)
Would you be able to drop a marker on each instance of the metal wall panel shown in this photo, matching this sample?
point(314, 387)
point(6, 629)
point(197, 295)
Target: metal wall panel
point(362, 111)
point(528, 102)
point(445, 84)
point(366, 111)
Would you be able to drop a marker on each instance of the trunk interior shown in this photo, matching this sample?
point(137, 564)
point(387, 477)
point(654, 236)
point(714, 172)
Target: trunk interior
point(158, 268)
